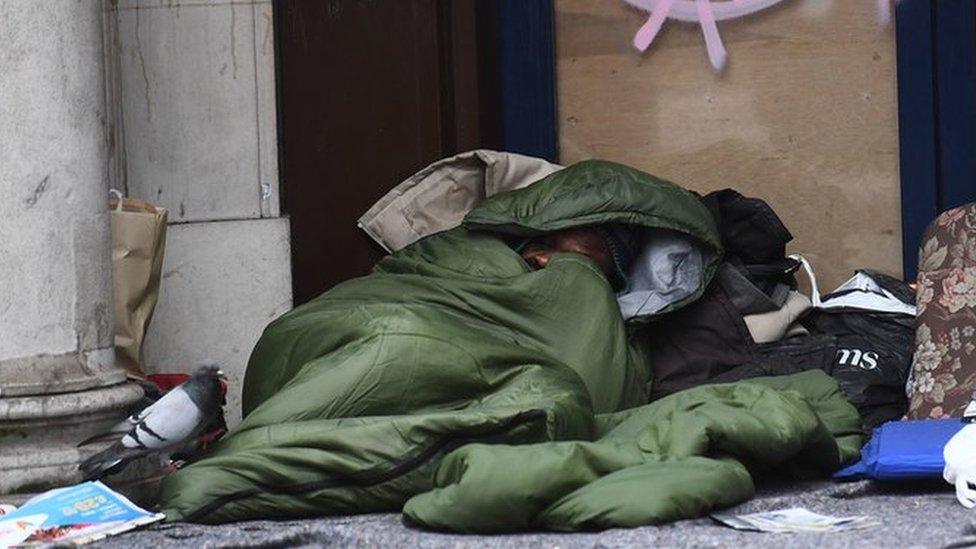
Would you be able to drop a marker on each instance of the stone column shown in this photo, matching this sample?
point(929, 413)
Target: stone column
point(58, 380)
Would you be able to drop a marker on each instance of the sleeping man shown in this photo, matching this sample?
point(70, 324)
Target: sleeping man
point(506, 330)
point(610, 246)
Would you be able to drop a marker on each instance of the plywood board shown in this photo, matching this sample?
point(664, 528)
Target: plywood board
point(804, 116)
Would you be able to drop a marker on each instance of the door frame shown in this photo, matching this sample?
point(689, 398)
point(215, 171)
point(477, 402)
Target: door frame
point(936, 42)
point(528, 77)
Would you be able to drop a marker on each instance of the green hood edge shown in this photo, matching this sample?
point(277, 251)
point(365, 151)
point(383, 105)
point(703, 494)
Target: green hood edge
point(595, 192)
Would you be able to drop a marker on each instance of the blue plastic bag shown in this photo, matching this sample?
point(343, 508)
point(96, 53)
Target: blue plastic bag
point(904, 450)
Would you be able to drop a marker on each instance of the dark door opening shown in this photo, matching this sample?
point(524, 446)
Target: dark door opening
point(369, 92)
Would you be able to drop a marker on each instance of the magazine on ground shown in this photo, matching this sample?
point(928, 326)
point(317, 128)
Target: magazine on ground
point(78, 514)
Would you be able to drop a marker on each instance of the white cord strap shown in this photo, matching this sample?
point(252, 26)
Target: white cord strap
point(811, 276)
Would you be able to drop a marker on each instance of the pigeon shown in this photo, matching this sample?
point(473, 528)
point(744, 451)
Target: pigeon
point(166, 425)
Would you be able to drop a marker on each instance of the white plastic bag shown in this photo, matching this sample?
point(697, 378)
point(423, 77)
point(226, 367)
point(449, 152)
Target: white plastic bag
point(960, 464)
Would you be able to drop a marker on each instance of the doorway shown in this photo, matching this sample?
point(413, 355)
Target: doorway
point(369, 92)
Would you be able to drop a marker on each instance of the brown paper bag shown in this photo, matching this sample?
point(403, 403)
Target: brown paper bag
point(138, 243)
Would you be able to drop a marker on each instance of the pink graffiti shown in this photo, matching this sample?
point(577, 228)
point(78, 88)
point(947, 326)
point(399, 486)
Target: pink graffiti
point(707, 13)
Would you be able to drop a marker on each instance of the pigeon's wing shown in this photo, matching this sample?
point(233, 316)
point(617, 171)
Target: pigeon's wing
point(166, 423)
point(121, 428)
point(118, 430)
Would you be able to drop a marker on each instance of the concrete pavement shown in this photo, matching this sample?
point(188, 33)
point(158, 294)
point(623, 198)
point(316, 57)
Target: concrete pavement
point(912, 516)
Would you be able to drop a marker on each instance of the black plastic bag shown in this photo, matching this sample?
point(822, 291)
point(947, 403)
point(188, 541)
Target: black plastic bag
point(872, 358)
point(868, 351)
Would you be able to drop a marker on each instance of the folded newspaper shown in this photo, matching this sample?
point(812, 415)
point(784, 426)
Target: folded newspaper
point(77, 514)
point(796, 519)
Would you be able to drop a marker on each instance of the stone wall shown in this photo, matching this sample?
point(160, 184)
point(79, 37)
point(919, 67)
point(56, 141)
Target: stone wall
point(195, 132)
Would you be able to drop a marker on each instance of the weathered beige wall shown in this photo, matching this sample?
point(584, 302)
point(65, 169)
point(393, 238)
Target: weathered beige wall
point(804, 116)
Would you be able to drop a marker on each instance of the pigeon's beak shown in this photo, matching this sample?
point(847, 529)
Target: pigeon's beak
point(221, 375)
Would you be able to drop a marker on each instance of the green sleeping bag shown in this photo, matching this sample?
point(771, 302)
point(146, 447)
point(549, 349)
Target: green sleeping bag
point(490, 397)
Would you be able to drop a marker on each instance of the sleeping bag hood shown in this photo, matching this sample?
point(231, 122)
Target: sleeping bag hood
point(353, 400)
point(679, 247)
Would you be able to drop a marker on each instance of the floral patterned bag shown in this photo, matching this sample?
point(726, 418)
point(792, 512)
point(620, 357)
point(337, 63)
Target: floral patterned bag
point(944, 368)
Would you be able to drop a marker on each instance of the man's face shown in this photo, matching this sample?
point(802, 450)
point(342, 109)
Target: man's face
point(538, 252)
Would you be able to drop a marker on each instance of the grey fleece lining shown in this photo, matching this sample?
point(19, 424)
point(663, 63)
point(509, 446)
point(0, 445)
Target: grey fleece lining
point(667, 269)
